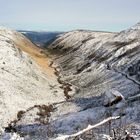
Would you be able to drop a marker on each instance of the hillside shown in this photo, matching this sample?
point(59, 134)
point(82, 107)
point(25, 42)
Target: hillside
point(93, 61)
point(100, 63)
point(23, 83)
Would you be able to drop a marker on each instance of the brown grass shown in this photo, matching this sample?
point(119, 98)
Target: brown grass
point(37, 54)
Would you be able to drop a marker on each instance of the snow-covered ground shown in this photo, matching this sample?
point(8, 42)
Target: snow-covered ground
point(23, 83)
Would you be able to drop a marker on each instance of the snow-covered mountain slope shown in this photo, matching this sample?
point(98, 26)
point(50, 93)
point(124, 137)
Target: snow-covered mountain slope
point(96, 62)
point(23, 83)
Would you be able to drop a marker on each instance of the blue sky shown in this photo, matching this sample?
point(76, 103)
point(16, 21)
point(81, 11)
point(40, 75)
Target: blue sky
point(65, 15)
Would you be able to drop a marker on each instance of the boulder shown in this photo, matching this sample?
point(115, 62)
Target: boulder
point(113, 97)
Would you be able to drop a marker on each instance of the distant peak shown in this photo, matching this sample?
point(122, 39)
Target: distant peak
point(136, 26)
point(4, 28)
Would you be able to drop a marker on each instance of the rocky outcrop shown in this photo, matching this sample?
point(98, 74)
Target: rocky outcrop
point(113, 97)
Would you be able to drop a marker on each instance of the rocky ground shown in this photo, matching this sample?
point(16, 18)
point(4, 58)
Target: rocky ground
point(82, 78)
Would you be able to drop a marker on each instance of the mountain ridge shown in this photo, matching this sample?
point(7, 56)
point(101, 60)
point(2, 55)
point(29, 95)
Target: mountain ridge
point(98, 62)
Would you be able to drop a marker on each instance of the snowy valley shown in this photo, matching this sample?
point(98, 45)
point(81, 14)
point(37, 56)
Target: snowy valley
point(83, 77)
